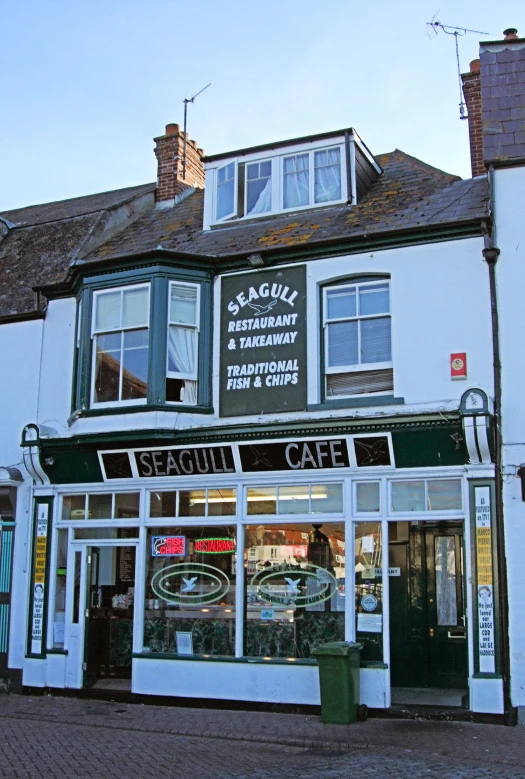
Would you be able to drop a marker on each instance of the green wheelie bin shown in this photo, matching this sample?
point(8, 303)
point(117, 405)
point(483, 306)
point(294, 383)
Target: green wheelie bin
point(339, 663)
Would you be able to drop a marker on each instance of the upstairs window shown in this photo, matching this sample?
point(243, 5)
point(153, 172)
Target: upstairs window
point(183, 343)
point(226, 191)
point(357, 339)
point(120, 344)
point(258, 187)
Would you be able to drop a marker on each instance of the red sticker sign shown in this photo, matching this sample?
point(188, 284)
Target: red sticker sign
point(458, 365)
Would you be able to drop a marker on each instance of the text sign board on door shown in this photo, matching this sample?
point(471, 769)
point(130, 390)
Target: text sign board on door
point(484, 583)
point(263, 342)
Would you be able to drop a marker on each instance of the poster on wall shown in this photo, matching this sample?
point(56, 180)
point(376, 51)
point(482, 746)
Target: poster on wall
point(263, 342)
point(484, 582)
point(39, 578)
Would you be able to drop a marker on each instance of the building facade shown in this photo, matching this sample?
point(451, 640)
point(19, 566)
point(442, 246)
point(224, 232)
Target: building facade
point(257, 415)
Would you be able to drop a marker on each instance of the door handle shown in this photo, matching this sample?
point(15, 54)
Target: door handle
point(457, 633)
point(431, 632)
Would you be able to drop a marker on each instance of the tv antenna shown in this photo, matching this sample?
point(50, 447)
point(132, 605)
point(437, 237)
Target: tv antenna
point(186, 101)
point(433, 28)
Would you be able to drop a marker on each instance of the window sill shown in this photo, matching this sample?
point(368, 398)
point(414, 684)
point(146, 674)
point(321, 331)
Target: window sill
point(223, 659)
point(379, 400)
point(110, 410)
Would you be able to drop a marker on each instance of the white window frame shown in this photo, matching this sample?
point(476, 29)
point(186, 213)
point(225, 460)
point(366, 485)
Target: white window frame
point(94, 333)
point(233, 213)
point(429, 513)
point(189, 376)
point(272, 187)
point(311, 177)
point(359, 366)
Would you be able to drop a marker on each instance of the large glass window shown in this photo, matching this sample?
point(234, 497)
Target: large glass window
point(120, 344)
point(301, 499)
point(368, 551)
point(426, 495)
point(192, 503)
point(357, 325)
point(183, 343)
point(108, 505)
point(295, 591)
point(190, 590)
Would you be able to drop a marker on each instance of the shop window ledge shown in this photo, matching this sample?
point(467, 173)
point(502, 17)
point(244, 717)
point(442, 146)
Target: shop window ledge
point(224, 658)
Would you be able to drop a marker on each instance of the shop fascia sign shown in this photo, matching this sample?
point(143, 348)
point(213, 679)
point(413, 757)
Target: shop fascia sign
point(311, 454)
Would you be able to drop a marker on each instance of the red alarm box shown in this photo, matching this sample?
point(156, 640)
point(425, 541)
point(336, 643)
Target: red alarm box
point(458, 365)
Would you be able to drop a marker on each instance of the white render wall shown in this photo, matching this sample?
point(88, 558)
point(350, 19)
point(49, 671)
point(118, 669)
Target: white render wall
point(509, 198)
point(440, 305)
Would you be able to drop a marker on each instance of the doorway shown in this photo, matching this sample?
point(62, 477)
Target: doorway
point(428, 640)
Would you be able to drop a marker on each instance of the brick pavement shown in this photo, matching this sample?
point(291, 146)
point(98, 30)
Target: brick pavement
point(68, 737)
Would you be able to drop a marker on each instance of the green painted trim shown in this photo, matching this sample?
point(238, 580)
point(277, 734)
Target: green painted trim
point(379, 400)
point(474, 574)
point(174, 407)
point(158, 340)
point(222, 659)
point(417, 447)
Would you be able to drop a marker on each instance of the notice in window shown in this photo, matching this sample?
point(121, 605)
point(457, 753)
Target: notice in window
point(485, 591)
point(263, 342)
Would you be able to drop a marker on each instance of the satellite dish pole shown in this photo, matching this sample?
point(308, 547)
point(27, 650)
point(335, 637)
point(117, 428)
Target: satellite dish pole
point(449, 29)
point(186, 101)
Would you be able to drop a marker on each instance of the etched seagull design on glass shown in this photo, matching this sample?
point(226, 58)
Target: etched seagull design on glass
point(189, 584)
point(260, 310)
point(372, 452)
point(294, 583)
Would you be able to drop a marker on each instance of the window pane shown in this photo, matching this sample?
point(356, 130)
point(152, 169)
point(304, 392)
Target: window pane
point(221, 503)
point(95, 533)
point(107, 311)
point(163, 504)
point(74, 507)
point(182, 343)
point(262, 500)
point(60, 590)
point(259, 196)
point(192, 503)
point(375, 340)
point(342, 344)
point(327, 175)
point(367, 496)
point(127, 505)
point(296, 181)
point(135, 307)
point(107, 367)
point(295, 591)
point(293, 500)
point(183, 305)
point(99, 506)
point(408, 496)
point(446, 599)
point(374, 300)
point(444, 494)
point(189, 604)
point(135, 368)
point(341, 303)
point(326, 498)
point(225, 190)
point(369, 589)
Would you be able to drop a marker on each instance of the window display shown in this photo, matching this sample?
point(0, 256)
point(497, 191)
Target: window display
point(368, 551)
point(295, 588)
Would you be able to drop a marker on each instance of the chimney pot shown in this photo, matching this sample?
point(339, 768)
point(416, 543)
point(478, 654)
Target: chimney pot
point(172, 129)
point(475, 66)
point(511, 34)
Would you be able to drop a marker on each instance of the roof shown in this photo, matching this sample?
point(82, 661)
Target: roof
point(409, 194)
point(44, 241)
point(44, 244)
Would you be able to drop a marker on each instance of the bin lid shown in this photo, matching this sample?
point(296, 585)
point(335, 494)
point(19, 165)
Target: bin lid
point(338, 648)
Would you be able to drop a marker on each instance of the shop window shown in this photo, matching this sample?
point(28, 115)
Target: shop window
point(189, 604)
point(305, 499)
point(295, 592)
point(357, 339)
point(60, 590)
point(426, 495)
point(369, 589)
point(192, 503)
point(97, 533)
point(108, 505)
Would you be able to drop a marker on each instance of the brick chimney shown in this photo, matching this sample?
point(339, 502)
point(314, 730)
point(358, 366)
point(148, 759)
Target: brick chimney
point(169, 150)
point(472, 93)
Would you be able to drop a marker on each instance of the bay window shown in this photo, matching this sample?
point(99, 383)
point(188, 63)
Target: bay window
point(183, 337)
point(357, 338)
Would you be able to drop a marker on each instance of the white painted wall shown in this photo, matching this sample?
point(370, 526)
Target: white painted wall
point(509, 198)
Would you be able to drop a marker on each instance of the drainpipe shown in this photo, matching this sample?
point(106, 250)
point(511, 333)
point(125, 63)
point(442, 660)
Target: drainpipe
point(491, 254)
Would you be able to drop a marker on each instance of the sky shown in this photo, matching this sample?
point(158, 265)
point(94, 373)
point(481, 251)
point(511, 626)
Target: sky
point(87, 84)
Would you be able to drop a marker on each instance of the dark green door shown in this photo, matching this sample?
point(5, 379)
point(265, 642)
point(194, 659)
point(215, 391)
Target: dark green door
point(428, 646)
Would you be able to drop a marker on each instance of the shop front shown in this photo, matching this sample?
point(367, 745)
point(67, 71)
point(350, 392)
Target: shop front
point(214, 571)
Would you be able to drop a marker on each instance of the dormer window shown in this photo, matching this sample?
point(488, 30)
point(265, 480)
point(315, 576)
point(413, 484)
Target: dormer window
point(323, 170)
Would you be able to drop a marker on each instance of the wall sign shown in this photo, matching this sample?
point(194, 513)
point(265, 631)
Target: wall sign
point(484, 584)
point(458, 365)
point(39, 578)
point(263, 342)
point(185, 462)
point(295, 455)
